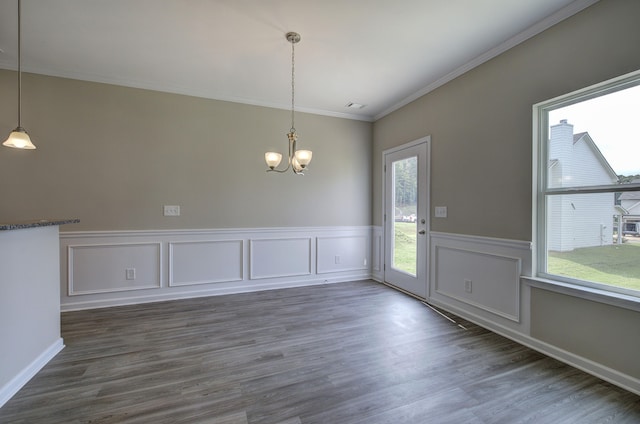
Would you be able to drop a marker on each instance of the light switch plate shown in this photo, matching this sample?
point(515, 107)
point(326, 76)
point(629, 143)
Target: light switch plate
point(171, 210)
point(441, 211)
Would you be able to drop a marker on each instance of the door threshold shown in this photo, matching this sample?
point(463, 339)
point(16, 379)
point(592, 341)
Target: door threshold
point(415, 296)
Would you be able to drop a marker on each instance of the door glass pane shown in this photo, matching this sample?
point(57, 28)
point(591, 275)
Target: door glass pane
point(405, 204)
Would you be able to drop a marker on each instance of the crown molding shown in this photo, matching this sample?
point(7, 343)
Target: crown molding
point(530, 32)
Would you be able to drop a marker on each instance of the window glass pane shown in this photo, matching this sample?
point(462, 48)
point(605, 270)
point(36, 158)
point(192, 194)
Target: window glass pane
point(593, 237)
point(583, 239)
point(594, 141)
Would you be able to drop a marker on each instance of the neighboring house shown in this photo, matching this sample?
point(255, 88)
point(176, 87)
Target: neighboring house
point(630, 204)
point(579, 220)
point(630, 201)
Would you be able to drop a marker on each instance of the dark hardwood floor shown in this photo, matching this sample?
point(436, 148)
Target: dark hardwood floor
point(335, 354)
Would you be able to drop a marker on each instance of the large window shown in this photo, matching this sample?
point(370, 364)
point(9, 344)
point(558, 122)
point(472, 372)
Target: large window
point(587, 173)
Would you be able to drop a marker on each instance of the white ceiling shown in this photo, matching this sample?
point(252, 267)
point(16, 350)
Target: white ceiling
point(381, 53)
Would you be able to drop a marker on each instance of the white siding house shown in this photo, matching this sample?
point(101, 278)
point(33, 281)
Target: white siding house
point(630, 202)
point(578, 220)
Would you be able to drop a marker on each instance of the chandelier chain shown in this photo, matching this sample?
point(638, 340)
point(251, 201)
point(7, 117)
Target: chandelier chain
point(19, 64)
point(293, 86)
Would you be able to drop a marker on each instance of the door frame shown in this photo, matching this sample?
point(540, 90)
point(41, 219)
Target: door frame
point(427, 191)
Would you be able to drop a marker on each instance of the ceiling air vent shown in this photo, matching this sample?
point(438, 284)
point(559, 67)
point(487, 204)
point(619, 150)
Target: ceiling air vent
point(352, 105)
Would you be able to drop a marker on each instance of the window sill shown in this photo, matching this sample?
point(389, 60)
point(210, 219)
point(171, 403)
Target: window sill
point(588, 293)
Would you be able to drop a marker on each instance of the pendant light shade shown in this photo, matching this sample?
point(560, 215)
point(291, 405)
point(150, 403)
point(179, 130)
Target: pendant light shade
point(303, 157)
point(273, 159)
point(19, 138)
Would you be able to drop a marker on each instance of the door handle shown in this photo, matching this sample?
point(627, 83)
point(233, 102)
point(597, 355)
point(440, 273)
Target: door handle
point(421, 232)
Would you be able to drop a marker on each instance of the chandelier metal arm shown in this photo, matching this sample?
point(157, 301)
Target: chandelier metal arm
point(281, 171)
point(292, 151)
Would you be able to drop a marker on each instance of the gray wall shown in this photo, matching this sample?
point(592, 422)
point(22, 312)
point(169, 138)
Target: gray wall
point(607, 333)
point(481, 123)
point(112, 156)
point(481, 128)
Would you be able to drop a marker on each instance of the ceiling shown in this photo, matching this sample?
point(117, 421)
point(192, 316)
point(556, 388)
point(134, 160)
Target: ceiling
point(379, 53)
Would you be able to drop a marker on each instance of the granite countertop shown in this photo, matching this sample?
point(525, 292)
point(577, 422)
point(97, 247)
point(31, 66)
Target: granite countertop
point(37, 223)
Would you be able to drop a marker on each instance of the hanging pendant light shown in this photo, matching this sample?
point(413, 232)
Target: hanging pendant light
point(298, 159)
point(19, 137)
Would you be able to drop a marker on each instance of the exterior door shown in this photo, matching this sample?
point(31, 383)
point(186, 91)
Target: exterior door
point(406, 217)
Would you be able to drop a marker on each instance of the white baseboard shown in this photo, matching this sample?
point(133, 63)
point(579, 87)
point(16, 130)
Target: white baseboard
point(177, 295)
point(23, 377)
point(608, 374)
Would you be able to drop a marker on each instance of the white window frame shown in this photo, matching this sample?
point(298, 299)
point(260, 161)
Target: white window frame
point(541, 192)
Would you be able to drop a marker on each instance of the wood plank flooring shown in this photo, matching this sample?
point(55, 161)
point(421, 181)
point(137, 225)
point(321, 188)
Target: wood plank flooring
point(350, 353)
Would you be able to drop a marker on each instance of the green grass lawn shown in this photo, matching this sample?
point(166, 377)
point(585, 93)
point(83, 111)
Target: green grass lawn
point(616, 265)
point(405, 251)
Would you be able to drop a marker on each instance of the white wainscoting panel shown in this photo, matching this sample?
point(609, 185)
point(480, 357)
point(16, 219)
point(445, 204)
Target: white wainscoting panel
point(491, 267)
point(493, 280)
point(280, 257)
point(103, 268)
point(203, 262)
point(342, 253)
point(377, 251)
point(176, 264)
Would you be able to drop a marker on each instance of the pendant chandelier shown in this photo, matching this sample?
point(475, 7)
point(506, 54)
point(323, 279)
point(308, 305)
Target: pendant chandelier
point(19, 138)
point(298, 159)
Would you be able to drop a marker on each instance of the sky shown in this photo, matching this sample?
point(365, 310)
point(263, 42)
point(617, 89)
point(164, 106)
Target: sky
point(613, 122)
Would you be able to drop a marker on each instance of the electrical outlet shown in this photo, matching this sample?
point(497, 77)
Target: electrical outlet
point(467, 286)
point(171, 210)
point(130, 273)
point(337, 259)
